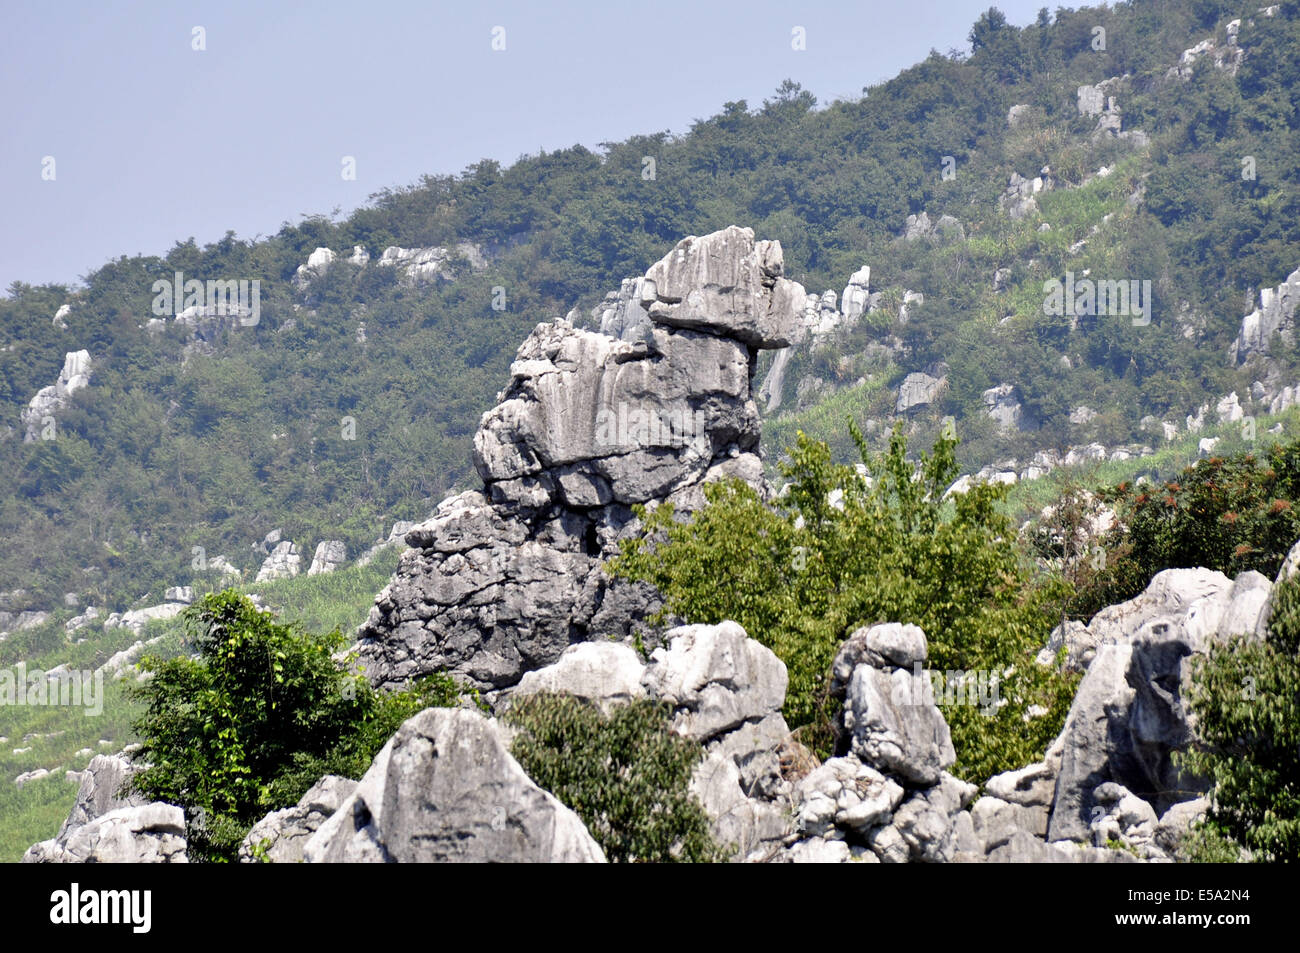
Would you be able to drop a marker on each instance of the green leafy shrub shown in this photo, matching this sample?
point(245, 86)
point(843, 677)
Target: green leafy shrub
point(626, 775)
point(835, 552)
point(1232, 514)
point(262, 713)
point(1246, 699)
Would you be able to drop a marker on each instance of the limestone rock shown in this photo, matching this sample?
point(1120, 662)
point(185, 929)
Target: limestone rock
point(845, 793)
point(330, 555)
point(318, 262)
point(1002, 405)
point(716, 678)
point(279, 837)
point(433, 263)
point(1275, 316)
point(149, 834)
point(604, 673)
point(445, 789)
point(283, 563)
point(857, 293)
point(77, 368)
point(918, 390)
point(1128, 717)
point(729, 284)
point(892, 721)
point(501, 581)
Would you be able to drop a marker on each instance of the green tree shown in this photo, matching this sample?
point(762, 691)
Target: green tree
point(1246, 699)
point(262, 713)
point(625, 774)
point(836, 551)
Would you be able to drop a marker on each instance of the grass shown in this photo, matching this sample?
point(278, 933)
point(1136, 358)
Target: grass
point(58, 736)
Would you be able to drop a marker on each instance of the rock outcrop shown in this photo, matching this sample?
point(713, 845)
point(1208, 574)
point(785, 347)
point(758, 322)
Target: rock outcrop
point(107, 826)
point(50, 400)
point(725, 691)
point(284, 562)
point(918, 390)
point(887, 796)
point(1275, 316)
point(279, 838)
point(445, 789)
point(502, 580)
point(1128, 716)
point(330, 555)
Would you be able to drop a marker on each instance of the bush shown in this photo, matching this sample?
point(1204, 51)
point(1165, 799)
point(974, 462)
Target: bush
point(836, 552)
point(256, 719)
point(1232, 514)
point(1246, 700)
point(626, 775)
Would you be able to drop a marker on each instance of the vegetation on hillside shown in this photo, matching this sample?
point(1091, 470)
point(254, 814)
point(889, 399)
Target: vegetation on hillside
point(624, 773)
point(175, 446)
point(836, 552)
point(263, 713)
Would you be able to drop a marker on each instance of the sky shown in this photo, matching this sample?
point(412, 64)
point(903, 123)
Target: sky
point(119, 135)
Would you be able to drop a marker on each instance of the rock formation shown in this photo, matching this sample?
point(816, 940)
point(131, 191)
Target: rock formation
point(49, 400)
point(107, 827)
point(279, 838)
point(330, 555)
point(501, 580)
point(445, 789)
point(1274, 316)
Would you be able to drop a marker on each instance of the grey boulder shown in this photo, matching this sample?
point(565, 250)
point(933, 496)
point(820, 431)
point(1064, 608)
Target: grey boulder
point(446, 789)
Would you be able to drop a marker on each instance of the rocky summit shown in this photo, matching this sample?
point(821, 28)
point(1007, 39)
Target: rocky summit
point(657, 402)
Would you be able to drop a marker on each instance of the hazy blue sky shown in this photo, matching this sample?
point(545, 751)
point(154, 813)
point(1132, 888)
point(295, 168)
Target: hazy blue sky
point(155, 142)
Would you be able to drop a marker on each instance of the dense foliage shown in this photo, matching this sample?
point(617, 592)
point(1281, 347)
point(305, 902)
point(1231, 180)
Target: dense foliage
point(1246, 699)
point(262, 713)
point(835, 552)
point(180, 444)
point(625, 774)
point(1233, 514)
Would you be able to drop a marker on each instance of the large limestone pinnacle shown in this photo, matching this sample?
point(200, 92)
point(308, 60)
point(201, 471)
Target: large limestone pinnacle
point(658, 401)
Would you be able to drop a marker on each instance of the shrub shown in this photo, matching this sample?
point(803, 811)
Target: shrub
point(626, 775)
point(256, 719)
point(1246, 700)
point(1232, 514)
point(835, 552)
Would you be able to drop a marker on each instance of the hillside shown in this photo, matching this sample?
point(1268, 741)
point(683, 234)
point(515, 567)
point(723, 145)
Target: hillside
point(155, 447)
point(350, 403)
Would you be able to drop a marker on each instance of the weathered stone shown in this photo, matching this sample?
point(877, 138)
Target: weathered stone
point(279, 837)
point(996, 821)
point(330, 555)
point(1275, 316)
point(283, 563)
point(77, 368)
point(1030, 786)
point(604, 673)
point(894, 725)
point(502, 582)
point(926, 820)
point(847, 794)
point(148, 834)
point(445, 789)
point(918, 390)
point(727, 283)
point(716, 678)
point(886, 645)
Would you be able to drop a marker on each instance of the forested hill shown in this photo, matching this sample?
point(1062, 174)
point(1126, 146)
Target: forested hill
point(350, 401)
